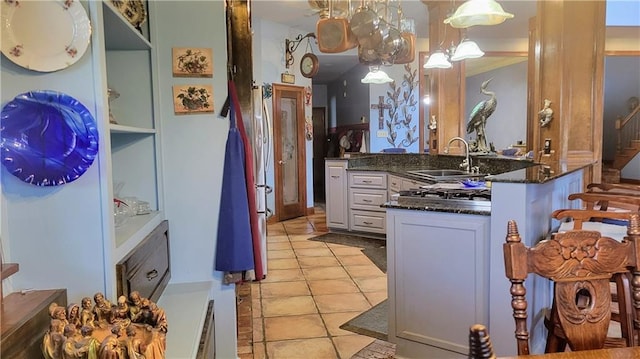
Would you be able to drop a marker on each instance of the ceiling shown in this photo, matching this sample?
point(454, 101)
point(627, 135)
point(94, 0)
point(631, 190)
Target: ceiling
point(299, 15)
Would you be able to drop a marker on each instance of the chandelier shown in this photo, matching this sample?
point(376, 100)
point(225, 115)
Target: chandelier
point(378, 28)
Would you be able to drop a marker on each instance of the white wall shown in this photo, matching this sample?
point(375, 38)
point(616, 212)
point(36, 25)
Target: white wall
point(193, 156)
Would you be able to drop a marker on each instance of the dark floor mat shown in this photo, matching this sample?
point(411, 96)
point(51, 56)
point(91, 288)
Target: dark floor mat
point(372, 323)
point(374, 249)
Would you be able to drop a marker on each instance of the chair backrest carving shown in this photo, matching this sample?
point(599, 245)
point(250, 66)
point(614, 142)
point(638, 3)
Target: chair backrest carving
point(581, 264)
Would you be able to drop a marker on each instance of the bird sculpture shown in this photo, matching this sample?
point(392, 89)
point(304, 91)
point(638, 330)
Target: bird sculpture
point(478, 119)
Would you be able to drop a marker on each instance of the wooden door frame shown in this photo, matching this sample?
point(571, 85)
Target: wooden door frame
point(297, 92)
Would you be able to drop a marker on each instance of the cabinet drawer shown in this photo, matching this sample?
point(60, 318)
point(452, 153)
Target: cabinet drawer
point(367, 199)
point(146, 269)
point(395, 183)
point(368, 180)
point(366, 221)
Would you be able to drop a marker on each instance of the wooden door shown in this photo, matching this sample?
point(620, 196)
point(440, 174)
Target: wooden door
point(319, 152)
point(289, 151)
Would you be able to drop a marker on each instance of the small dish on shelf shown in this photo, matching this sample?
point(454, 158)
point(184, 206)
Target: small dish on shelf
point(133, 11)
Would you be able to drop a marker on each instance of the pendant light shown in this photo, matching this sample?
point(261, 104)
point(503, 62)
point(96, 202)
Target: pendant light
point(467, 49)
point(478, 12)
point(376, 76)
point(438, 60)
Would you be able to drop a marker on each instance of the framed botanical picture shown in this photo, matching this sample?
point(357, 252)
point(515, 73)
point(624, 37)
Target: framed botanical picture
point(192, 62)
point(192, 99)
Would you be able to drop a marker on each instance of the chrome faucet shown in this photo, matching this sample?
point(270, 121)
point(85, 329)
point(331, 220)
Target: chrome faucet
point(466, 164)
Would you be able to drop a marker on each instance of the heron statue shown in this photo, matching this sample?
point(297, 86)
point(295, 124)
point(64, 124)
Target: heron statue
point(478, 119)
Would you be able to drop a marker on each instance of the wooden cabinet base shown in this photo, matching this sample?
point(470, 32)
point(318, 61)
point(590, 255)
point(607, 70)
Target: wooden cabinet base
point(25, 319)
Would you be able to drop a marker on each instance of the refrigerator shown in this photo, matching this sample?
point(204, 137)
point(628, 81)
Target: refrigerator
point(259, 130)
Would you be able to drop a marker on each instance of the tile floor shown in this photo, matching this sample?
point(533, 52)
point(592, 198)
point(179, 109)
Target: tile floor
point(310, 290)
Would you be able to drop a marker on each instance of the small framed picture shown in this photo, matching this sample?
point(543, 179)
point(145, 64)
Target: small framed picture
point(192, 62)
point(192, 99)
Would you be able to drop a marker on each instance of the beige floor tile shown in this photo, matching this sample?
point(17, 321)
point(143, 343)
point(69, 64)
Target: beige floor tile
point(313, 262)
point(315, 348)
point(364, 271)
point(334, 303)
point(333, 321)
point(256, 305)
point(278, 246)
point(348, 345)
point(258, 330)
point(277, 238)
point(283, 275)
point(313, 252)
point(285, 289)
point(283, 263)
point(308, 244)
point(301, 237)
point(376, 297)
point(371, 284)
point(340, 250)
point(259, 351)
point(294, 327)
point(359, 260)
point(288, 253)
point(325, 273)
point(332, 286)
point(275, 307)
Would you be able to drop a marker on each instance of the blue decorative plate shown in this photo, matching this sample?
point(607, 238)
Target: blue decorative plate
point(48, 138)
point(469, 183)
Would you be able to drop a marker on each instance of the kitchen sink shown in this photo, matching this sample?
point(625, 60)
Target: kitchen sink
point(444, 174)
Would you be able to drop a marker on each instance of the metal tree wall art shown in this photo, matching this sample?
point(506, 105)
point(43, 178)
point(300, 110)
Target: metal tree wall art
point(403, 104)
point(478, 120)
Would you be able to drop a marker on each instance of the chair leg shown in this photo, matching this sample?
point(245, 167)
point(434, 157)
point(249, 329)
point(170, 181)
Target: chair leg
point(555, 343)
point(625, 308)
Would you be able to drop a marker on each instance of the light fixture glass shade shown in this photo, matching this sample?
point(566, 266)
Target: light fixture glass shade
point(478, 12)
point(376, 76)
point(437, 60)
point(467, 50)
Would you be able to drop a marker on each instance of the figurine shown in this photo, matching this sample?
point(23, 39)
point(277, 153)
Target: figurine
point(112, 347)
point(86, 313)
point(478, 119)
point(120, 313)
point(101, 309)
point(433, 124)
point(546, 114)
point(71, 348)
point(88, 346)
point(53, 340)
point(73, 315)
point(134, 344)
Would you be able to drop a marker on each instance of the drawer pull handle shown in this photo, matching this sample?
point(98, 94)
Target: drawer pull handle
point(367, 223)
point(152, 274)
point(367, 200)
point(366, 181)
point(334, 176)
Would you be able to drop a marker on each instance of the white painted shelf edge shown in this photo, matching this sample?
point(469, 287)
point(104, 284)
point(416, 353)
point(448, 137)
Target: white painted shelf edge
point(134, 231)
point(130, 129)
point(185, 305)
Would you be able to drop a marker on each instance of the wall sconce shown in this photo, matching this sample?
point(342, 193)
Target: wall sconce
point(292, 45)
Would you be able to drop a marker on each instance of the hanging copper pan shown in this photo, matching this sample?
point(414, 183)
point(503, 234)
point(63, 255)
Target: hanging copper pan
point(334, 34)
point(408, 53)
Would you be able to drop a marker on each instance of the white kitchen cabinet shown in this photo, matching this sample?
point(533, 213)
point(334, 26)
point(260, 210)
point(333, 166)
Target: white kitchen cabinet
point(367, 192)
point(336, 194)
point(438, 280)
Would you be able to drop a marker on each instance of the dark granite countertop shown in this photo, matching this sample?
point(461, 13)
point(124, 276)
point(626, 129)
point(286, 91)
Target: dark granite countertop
point(437, 208)
point(497, 168)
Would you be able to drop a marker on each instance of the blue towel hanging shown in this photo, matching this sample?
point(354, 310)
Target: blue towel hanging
point(234, 250)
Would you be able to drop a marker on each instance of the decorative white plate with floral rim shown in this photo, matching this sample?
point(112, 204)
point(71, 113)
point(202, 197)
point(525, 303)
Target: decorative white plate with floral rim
point(44, 36)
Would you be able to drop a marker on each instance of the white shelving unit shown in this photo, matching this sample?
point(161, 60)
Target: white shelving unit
point(126, 59)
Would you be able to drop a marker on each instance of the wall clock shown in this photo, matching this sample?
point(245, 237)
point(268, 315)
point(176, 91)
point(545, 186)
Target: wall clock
point(309, 65)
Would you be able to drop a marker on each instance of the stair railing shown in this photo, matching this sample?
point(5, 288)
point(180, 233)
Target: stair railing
point(628, 128)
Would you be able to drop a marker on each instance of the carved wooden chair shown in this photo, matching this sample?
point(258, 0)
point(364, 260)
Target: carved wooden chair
point(480, 346)
point(605, 201)
point(581, 264)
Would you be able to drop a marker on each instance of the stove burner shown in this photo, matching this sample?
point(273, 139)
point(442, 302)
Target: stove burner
point(476, 194)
